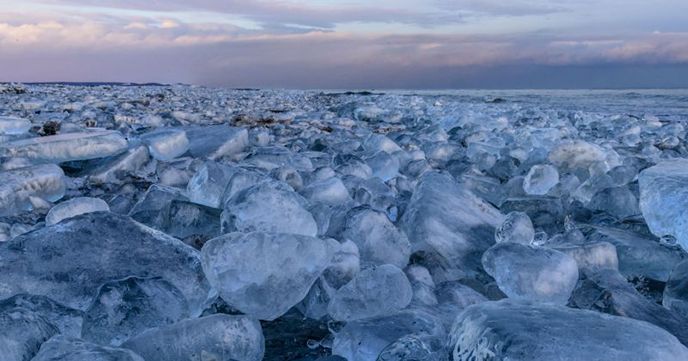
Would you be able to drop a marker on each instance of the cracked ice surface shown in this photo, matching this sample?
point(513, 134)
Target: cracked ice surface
point(147, 223)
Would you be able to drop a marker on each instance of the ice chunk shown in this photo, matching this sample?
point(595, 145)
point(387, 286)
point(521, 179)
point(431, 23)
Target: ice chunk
point(664, 199)
point(70, 260)
point(619, 202)
point(409, 347)
point(166, 144)
point(270, 206)
point(531, 272)
point(516, 228)
point(378, 240)
point(67, 320)
point(607, 291)
point(577, 155)
point(364, 340)
point(546, 213)
point(373, 292)
point(18, 186)
point(538, 332)
point(217, 337)
point(66, 147)
point(640, 256)
point(329, 191)
point(676, 290)
point(383, 165)
point(14, 125)
point(125, 308)
point(540, 179)
point(75, 207)
point(249, 269)
point(115, 170)
point(446, 217)
point(23, 332)
point(216, 141)
point(73, 349)
point(592, 256)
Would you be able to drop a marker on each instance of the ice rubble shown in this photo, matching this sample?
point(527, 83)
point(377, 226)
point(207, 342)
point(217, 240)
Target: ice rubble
point(146, 223)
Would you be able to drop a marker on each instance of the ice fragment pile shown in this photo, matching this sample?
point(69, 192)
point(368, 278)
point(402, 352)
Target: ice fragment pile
point(184, 223)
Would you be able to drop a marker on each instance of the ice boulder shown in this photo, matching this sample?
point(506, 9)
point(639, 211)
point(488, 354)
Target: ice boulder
point(75, 207)
point(664, 199)
point(540, 179)
point(445, 217)
point(127, 307)
point(676, 290)
point(67, 320)
point(23, 332)
point(70, 260)
point(20, 187)
point(269, 206)
point(608, 291)
point(365, 339)
point(66, 147)
point(166, 144)
point(509, 330)
point(378, 239)
point(516, 228)
point(217, 337)
point(216, 141)
point(373, 292)
point(640, 255)
point(531, 272)
point(13, 125)
point(61, 348)
point(265, 274)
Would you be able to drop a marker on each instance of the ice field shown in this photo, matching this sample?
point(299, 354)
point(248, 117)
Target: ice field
point(183, 223)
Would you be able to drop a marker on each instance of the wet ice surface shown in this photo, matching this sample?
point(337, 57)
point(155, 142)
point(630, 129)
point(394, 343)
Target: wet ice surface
point(185, 223)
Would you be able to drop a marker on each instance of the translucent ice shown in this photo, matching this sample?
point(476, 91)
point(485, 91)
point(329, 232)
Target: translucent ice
point(18, 186)
point(608, 291)
point(640, 256)
point(516, 228)
point(378, 240)
point(664, 199)
point(23, 332)
point(676, 290)
point(538, 332)
point(75, 207)
point(125, 308)
point(166, 144)
point(248, 269)
point(118, 168)
point(447, 218)
point(14, 125)
point(216, 141)
point(364, 340)
point(217, 337)
point(373, 292)
point(592, 256)
point(70, 260)
point(328, 191)
point(61, 348)
point(531, 272)
point(540, 179)
point(67, 320)
point(66, 147)
point(269, 206)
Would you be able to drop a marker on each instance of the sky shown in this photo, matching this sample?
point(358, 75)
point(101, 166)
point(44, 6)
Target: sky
point(435, 44)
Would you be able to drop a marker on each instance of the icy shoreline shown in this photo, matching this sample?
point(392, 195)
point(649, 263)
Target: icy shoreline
point(314, 225)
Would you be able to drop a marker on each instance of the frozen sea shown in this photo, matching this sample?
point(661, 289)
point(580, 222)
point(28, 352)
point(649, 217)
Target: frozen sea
point(185, 223)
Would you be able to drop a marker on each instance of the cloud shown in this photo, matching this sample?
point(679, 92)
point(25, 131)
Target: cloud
point(283, 13)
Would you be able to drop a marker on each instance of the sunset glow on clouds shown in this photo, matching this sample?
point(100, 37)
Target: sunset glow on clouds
point(326, 43)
